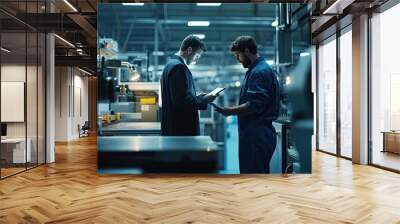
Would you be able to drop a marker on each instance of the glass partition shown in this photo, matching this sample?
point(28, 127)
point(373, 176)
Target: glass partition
point(14, 145)
point(22, 88)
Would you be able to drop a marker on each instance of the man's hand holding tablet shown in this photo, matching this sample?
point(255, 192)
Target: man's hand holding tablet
point(212, 95)
point(217, 91)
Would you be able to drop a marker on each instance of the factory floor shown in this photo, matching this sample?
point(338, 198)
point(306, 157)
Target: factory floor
point(70, 191)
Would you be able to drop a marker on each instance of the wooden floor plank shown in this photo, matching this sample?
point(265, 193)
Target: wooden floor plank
point(71, 191)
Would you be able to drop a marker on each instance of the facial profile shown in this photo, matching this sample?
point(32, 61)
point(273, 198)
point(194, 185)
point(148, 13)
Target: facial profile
point(243, 59)
point(194, 57)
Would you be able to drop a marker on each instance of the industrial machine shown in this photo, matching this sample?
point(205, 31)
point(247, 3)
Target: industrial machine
point(127, 103)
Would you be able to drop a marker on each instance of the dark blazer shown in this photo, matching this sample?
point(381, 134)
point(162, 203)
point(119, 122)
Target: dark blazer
point(180, 105)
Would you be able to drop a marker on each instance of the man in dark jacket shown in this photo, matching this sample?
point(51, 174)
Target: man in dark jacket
point(180, 104)
point(258, 108)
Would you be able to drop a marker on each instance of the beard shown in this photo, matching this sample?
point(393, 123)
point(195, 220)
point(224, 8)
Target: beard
point(191, 60)
point(246, 62)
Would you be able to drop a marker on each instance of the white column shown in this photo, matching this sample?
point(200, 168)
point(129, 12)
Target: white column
point(50, 94)
point(314, 92)
point(360, 90)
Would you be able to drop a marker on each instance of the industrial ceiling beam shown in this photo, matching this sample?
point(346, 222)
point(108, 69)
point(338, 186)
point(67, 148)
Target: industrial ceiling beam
point(79, 61)
point(263, 21)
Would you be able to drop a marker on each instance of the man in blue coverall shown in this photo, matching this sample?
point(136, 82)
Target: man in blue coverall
point(258, 108)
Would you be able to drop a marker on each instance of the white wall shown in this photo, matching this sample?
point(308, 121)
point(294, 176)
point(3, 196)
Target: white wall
point(33, 126)
point(61, 103)
point(71, 93)
point(81, 83)
point(12, 73)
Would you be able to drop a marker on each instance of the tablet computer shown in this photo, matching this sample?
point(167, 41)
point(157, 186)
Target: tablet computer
point(217, 91)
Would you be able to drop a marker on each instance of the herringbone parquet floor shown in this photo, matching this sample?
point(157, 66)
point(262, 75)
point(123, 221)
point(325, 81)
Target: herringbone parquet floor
point(70, 191)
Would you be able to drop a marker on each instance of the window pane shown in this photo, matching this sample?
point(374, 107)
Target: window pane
point(327, 97)
point(385, 89)
point(346, 94)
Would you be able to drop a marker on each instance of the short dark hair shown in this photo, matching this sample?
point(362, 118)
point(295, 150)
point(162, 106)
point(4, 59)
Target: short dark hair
point(243, 42)
point(193, 41)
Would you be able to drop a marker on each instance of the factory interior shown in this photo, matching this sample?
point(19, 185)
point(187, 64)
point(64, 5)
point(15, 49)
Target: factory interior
point(129, 82)
point(81, 112)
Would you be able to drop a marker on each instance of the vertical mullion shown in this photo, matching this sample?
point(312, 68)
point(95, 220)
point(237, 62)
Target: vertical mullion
point(369, 78)
point(26, 85)
point(37, 89)
point(317, 95)
point(46, 3)
point(73, 92)
point(338, 98)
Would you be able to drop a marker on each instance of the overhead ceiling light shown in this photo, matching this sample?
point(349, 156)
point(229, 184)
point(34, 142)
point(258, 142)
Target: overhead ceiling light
point(64, 40)
point(209, 4)
point(274, 23)
point(70, 5)
point(198, 23)
point(304, 54)
point(5, 50)
point(201, 36)
point(133, 4)
point(270, 62)
point(338, 6)
point(84, 71)
point(158, 53)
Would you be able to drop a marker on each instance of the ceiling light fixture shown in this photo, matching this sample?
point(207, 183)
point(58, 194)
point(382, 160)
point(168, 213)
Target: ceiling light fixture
point(158, 53)
point(201, 36)
point(70, 5)
point(304, 54)
point(133, 4)
point(5, 50)
point(84, 71)
point(337, 7)
point(64, 40)
point(209, 4)
point(198, 23)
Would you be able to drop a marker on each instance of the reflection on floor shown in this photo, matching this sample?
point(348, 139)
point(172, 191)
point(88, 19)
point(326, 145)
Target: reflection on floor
point(387, 159)
point(346, 152)
point(10, 171)
point(13, 169)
